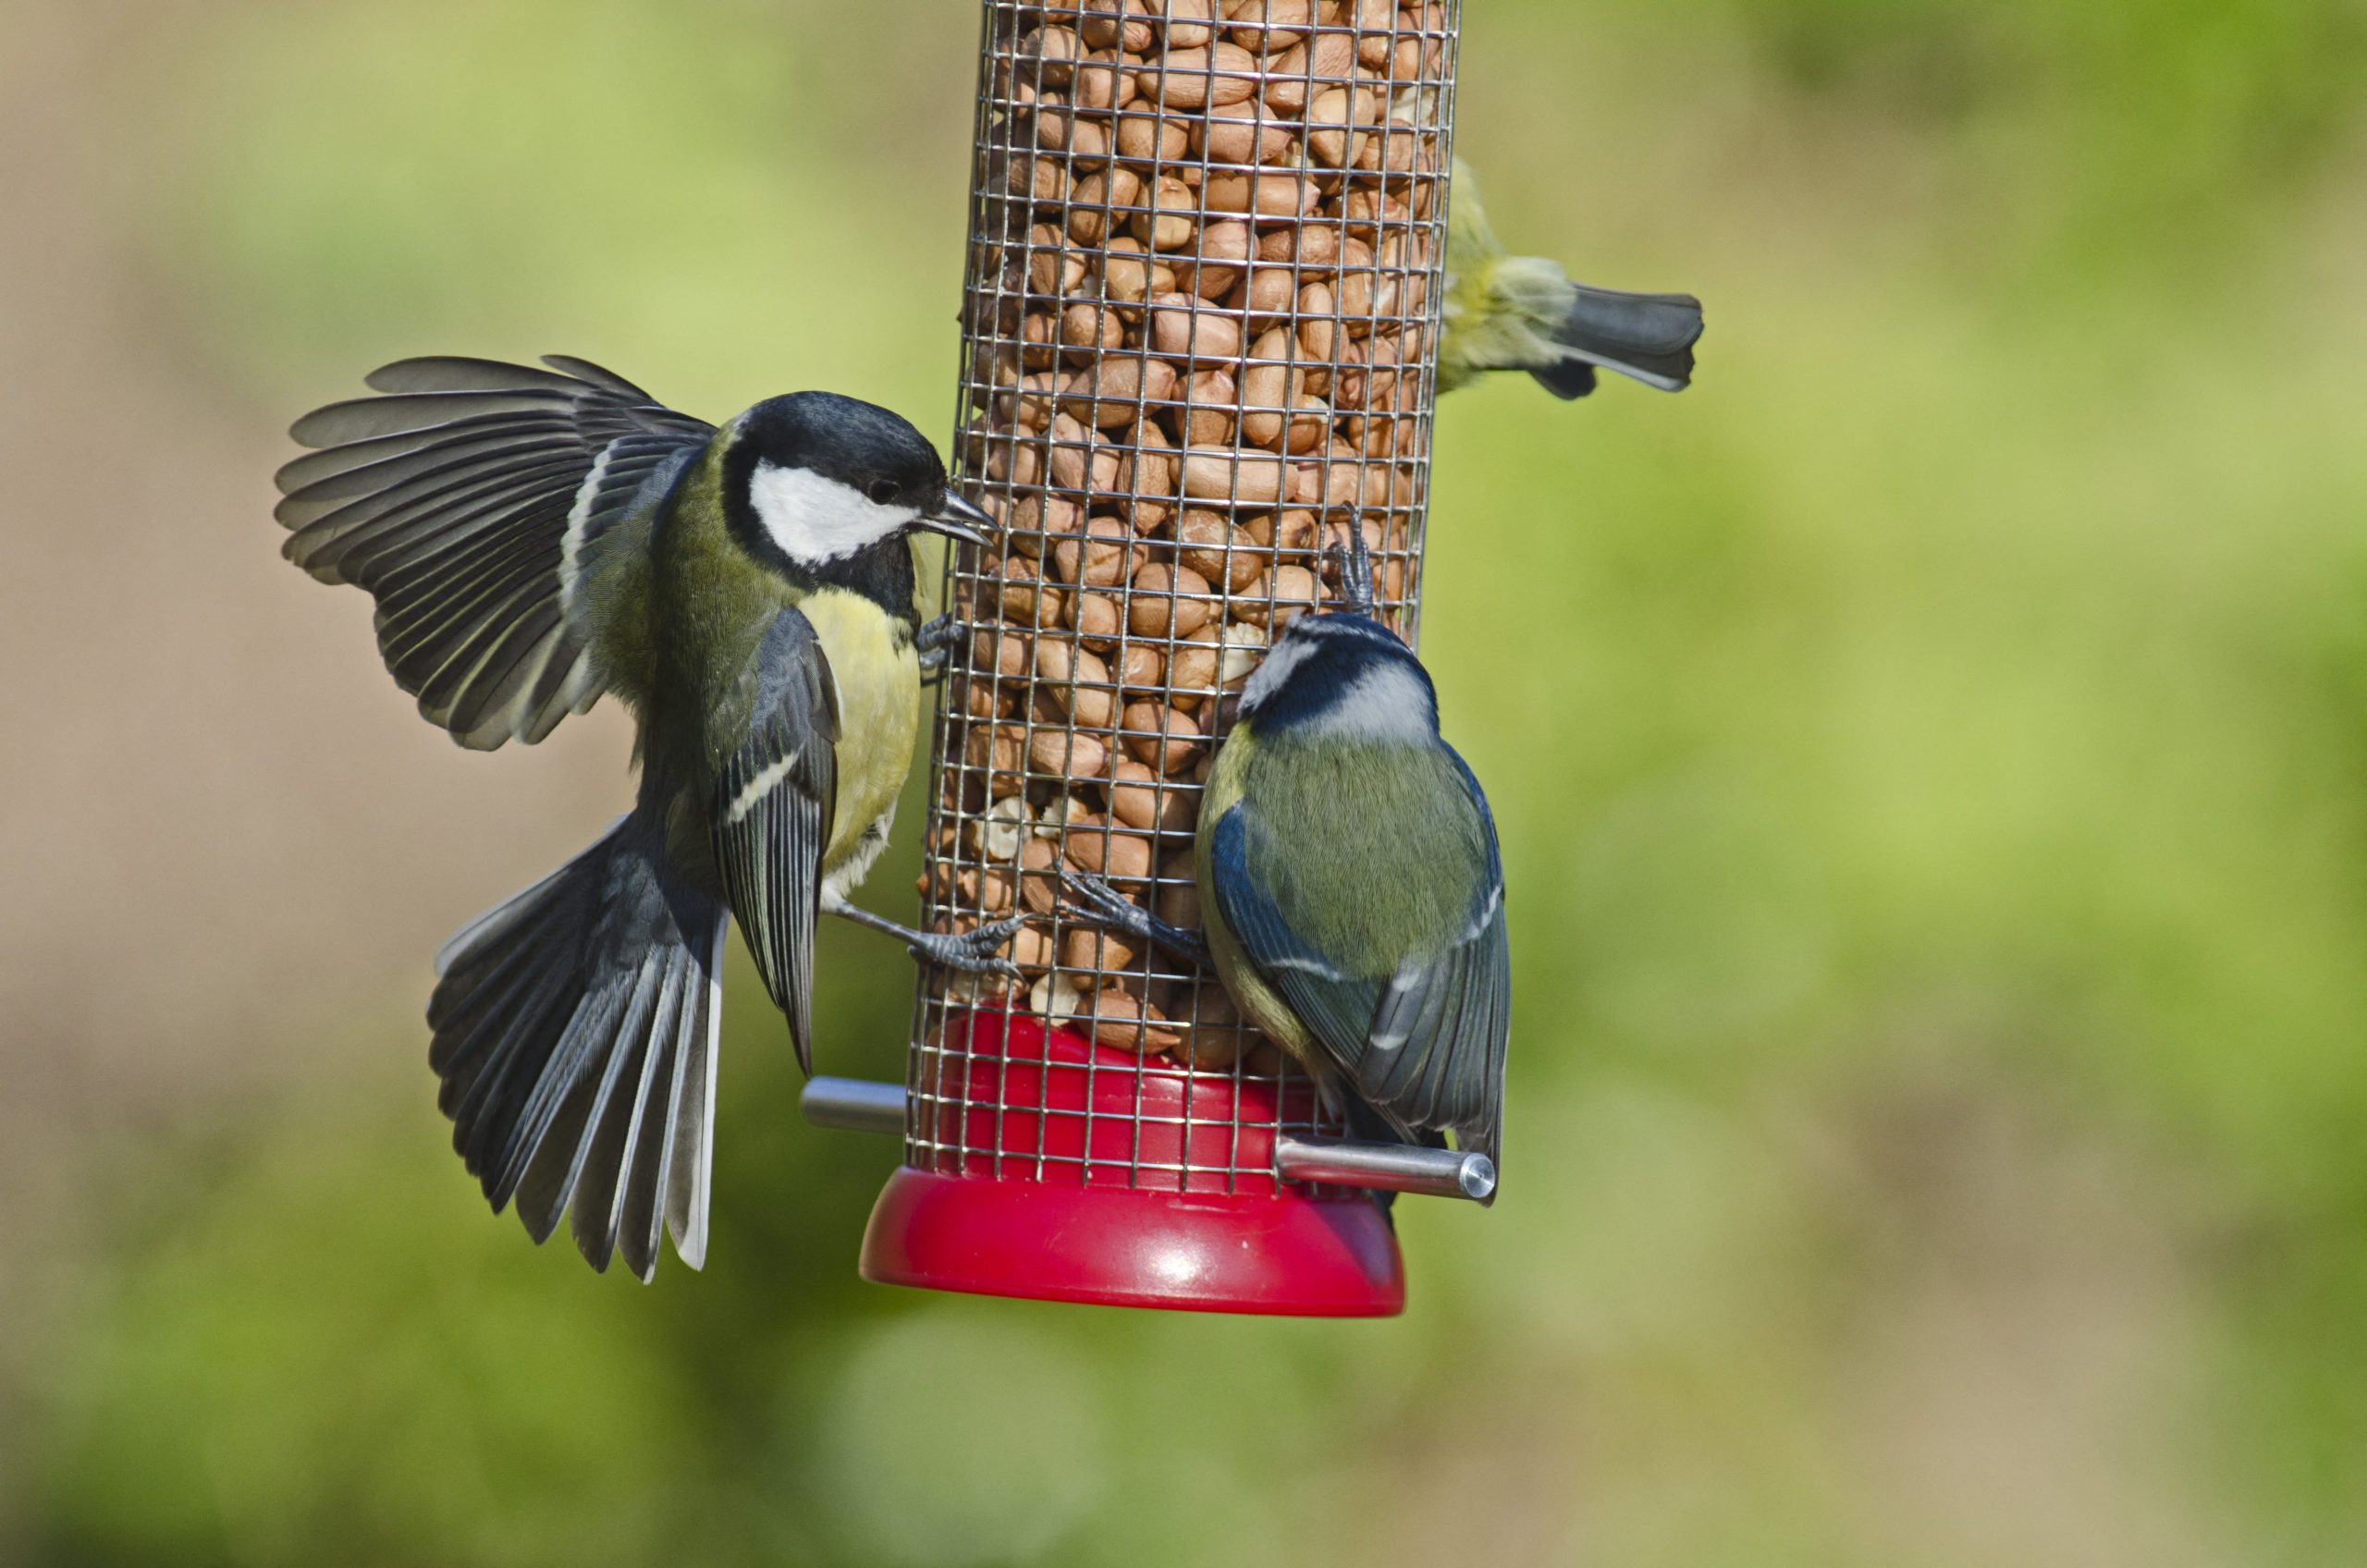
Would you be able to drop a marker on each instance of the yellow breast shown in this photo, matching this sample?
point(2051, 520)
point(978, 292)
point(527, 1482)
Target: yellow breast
point(878, 679)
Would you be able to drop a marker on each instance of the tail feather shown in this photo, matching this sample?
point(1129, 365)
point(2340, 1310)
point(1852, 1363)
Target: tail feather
point(532, 1008)
point(1565, 379)
point(551, 1178)
point(575, 1037)
point(629, 1130)
point(691, 1096)
point(1648, 336)
point(560, 1096)
point(550, 1159)
point(605, 1147)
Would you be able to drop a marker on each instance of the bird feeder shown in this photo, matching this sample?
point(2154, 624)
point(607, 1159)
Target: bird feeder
point(1200, 316)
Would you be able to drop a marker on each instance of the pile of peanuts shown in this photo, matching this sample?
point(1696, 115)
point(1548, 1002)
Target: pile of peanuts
point(1205, 244)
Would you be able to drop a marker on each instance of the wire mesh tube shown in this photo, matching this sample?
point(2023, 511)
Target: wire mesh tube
point(1199, 319)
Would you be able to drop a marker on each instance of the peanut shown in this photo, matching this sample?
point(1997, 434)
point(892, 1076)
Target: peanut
point(1183, 328)
point(1100, 554)
point(1270, 26)
point(1123, 1019)
point(1079, 683)
point(1161, 737)
point(1187, 21)
point(1089, 949)
point(1217, 550)
point(1136, 799)
point(1214, 474)
point(1246, 132)
point(1195, 79)
point(1167, 601)
point(1116, 24)
point(1277, 597)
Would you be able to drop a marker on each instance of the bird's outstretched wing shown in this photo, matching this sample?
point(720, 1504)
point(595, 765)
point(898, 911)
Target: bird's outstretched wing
point(775, 803)
point(482, 504)
point(1419, 1030)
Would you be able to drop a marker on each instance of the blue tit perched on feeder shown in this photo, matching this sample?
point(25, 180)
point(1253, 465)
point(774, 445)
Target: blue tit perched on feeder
point(537, 537)
point(1523, 313)
point(1350, 889)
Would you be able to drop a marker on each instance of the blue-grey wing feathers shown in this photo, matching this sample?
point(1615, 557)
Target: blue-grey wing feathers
point(775, 803)
point(1435, 1051)
point(470, 498)
point(1423, 1043)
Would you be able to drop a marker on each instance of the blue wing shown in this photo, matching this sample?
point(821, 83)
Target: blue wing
point(1420, 1034)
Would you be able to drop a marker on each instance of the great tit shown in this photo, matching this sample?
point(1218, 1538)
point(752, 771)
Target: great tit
point(1350, 889)
point(1523, 313)
point(537, 537)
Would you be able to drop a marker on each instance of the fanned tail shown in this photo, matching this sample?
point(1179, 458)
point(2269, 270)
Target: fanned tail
point(1648, 336)
point(575, 1034)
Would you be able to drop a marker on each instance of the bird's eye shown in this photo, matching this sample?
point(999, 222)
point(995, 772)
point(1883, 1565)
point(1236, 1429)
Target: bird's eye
point(882, 491)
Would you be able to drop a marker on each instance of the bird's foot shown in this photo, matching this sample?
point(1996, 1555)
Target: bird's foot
point(972, 952)
point(935, 641)
point(1092, 901)
point(1354, 559)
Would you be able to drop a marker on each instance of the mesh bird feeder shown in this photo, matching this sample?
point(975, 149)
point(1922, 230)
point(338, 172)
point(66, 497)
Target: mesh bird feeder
point(1199, 321)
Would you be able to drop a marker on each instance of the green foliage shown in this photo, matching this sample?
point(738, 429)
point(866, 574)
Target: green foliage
point(1929, 766)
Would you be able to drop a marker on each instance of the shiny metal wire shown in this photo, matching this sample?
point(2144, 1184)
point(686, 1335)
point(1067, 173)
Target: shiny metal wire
point(1064, 421)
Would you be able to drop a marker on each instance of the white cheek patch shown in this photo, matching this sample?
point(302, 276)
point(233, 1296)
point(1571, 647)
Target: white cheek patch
point(1370, 689)
point(1386, 703)
point(1269, 676)
point(814, 519)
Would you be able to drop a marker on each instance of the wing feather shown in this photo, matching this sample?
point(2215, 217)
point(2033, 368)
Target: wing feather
point(462, 372)
point(339, 546)
point(470, 499)
point(361, 467)
point(775, 803)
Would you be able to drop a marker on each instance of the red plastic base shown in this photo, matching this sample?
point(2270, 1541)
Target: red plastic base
point(1042, 1188)
point(1288, 1256)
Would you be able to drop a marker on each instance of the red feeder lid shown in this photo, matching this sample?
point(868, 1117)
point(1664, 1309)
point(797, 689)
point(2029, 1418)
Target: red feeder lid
point(1046, 1166)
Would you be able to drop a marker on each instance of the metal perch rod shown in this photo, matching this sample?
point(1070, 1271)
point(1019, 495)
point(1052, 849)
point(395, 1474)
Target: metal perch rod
point(860, 1105)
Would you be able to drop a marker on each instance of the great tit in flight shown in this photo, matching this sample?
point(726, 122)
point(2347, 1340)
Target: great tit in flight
point(537, 537)
point(1351, 889)
point(1523, 313)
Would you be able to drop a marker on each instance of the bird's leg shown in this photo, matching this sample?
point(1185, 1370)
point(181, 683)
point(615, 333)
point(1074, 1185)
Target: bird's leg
point(972, 952)
point(1097, 904)
point(935, 642)
point(1356, 570)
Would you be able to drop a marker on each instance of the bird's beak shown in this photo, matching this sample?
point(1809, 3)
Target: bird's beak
point(959, 519)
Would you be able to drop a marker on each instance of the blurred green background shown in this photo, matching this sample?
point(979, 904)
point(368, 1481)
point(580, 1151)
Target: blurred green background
point(1929, 754)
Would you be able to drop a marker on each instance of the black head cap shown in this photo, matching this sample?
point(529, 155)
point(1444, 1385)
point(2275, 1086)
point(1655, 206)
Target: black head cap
point(822, 488)
point(865, 448)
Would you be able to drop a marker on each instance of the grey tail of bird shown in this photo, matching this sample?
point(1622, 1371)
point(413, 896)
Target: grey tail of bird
point(575, 1034)
point(1649, 336)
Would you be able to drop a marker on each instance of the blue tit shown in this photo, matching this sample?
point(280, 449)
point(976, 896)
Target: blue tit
point(537, 537)
point(1523, 313)
point(1351, 889)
